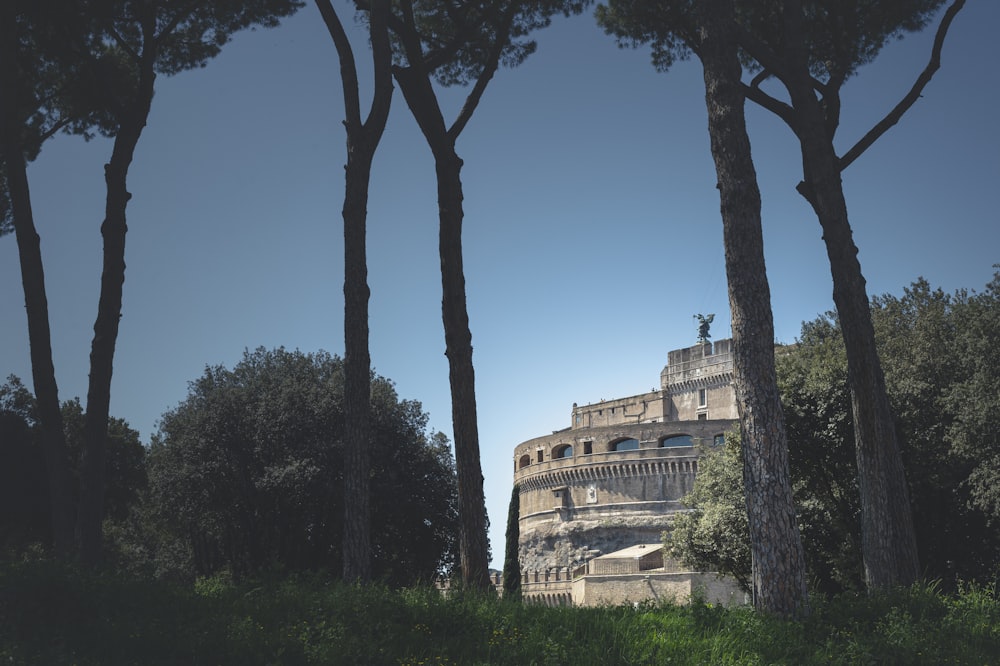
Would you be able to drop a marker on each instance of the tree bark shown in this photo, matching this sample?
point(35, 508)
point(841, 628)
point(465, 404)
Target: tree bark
point(473, 542)
point(109, 309)
point(888, 538)
point(779, 577)
point(357, 370)
point(35, 300)
point(102, 352)
point(362, 141)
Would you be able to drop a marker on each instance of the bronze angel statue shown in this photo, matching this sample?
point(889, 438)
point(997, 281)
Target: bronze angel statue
point(704, 321)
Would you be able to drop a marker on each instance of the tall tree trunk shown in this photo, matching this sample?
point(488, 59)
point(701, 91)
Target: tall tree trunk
point(357, 369)
point(779, 577)
point(362, 141)
point(888, 538)
point(473, 542)
point(132, 116)
point(35, 300)
point(109, 309)
point(102, 352)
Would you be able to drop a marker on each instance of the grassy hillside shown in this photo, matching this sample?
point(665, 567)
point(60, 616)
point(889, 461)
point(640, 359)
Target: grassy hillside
point(52, 615)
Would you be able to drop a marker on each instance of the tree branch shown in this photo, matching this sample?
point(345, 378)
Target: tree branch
point(775, 106)
point(382, 64)
point(181, 14)
point(52, 131)
point(489, 69)
point(414, 80)
point(120, 41)
point(911, 97)
point(348, 68)
point(762, 53)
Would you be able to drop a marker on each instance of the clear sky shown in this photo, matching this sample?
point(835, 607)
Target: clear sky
point(592, 229)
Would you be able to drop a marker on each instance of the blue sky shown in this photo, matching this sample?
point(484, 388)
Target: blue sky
point(592, 231)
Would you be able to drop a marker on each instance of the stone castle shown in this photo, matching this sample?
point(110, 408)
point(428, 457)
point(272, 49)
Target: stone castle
point(596, 497)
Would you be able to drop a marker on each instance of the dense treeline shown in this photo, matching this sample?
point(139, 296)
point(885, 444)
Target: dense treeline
point(941, 354)
point(246, 475)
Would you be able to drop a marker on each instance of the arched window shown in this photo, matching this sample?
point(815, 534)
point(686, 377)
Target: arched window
point(563, 452)
point(678, 440)
point(625, 445)
point(525, 461)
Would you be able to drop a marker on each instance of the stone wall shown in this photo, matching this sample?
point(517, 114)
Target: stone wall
point(657, 586)
point(616, 476)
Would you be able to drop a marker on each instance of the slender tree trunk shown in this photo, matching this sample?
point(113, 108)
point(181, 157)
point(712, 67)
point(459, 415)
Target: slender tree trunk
point(779, 578)
point(357, 369)
point(888, 538)
point(102, 352)
point(35, 300)
point(362, 141)
point(473, 542)
point(109, 309)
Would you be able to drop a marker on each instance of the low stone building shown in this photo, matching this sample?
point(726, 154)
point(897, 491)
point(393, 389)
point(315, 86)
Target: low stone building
point(614, 478)
point(641, 573)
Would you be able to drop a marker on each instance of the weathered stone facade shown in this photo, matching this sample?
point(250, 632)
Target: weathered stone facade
point(615, 477)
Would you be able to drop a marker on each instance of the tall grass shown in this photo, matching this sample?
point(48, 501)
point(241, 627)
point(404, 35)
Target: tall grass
point(54, 615)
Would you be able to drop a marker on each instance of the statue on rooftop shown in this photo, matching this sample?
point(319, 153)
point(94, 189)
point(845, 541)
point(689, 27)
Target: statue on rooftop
point(704, 321)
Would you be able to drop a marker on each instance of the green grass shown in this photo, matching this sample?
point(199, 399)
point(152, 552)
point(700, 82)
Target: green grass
point(52, 615)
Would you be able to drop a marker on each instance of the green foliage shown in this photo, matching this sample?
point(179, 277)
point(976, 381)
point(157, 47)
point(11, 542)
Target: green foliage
point(840, 36)
point(24, 516)
point(812, 379)
point(665, 26)
point(77, 64)
point(715, 534)
point(942, 367)
point(126, 459)
point(81, 61)
point(54, 615)
point(247, 473)
point(974, 398)
point(460, 38)
point(511, 560)
point(941, 372)
point(23, 482)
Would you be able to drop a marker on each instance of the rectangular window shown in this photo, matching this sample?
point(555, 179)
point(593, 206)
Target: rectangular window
point(588, 448)
point(703, 397)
